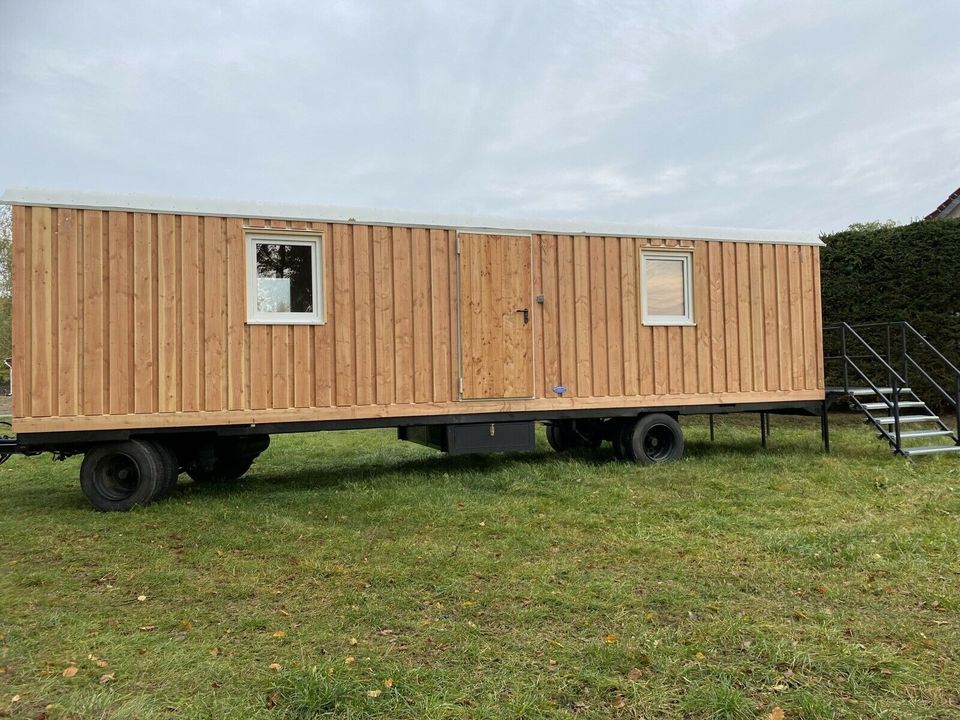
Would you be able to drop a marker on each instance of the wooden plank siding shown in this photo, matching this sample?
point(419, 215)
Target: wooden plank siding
point(126, 319)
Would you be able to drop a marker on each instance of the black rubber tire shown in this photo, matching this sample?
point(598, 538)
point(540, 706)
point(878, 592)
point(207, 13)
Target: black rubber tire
point(116, 477)
point(171, 470)
point(233, 459)
point(199, 475)
point(655, 438)
point(621, 441)
point(566, 435)
point(555, 437)
point(588, 434)
point(235, 468)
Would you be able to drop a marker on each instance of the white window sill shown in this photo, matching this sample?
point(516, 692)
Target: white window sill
point(668, 323)
point(310, 321)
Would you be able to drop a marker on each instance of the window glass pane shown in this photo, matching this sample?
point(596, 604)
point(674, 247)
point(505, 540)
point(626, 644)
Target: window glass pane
point(284, 278)
point(665, 287)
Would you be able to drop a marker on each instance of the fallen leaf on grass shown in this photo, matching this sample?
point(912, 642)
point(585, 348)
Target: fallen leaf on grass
point(634, 674)
point(215, 651)
point(610, 639)
point(70, 671)
point(776, 714)
point(353, 641)
point(700, 656)
point(279, 634)
point(276, 666)
point(105, 678)
point(15, 699)
point(141, 598)
point(148, 628)
point(388, 683)
point(102, 663)
point(350, 660)
point(374, 693)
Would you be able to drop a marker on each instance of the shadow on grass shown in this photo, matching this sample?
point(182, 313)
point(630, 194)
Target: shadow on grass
point(485, 473)
point(499, 471)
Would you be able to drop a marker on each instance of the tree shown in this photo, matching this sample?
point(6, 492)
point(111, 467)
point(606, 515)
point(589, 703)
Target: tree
point(6, 289)
point(890, 273)
point(872, 225)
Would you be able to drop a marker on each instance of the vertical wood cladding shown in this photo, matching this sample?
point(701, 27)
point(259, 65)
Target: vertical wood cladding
point(128, 313)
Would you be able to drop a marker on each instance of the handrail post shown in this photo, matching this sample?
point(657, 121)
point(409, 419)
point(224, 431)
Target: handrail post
point(896, 412)
point(843, 354)
point(903, 349)
point(889, 357)
point(956, 401)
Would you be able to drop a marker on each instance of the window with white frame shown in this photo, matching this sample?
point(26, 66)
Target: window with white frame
point(666, 293)
point(284, 279)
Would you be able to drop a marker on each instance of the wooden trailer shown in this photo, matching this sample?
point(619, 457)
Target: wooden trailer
point(160, 335)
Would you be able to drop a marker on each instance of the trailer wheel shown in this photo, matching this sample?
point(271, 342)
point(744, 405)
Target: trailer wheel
point(119, 476)
point(232, 459)
point(654, 438)
point(171, 469)
point(622, 447)
point(566, 435)
point(555, 437)
point(222, 471)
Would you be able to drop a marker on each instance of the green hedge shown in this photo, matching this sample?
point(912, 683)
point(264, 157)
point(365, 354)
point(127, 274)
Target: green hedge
point(910, 272)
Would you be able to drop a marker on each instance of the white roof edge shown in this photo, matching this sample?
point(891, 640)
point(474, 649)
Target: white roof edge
point(131, 202)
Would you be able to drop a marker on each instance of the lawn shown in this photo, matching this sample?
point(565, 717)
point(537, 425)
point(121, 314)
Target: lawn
point(352, 576)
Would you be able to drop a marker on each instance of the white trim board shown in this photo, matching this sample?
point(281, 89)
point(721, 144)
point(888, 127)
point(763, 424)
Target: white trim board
point(131, 202)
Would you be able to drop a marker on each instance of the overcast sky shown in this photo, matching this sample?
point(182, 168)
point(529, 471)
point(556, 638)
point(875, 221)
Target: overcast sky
point(796, 115)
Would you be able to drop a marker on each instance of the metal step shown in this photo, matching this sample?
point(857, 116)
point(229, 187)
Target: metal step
point(907, 435)
point(932, 450)
point(908, 419)
point(871, 391)
point(887, 406)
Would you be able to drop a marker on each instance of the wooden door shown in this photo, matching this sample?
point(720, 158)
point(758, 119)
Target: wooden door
point(496, 317)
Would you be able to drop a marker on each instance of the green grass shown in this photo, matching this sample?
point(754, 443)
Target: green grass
point(524, 586)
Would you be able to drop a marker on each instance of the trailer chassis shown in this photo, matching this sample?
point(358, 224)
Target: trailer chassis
point(118, 461)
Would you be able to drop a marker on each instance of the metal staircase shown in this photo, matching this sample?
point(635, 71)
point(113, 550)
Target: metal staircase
point(877, 382)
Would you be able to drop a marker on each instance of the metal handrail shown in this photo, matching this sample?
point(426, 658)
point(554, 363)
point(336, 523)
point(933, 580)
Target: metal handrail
point(900, 356)
point(894, 378)
point(934, 383)
point(907, 326)
point(953, 368)
point(873, 353)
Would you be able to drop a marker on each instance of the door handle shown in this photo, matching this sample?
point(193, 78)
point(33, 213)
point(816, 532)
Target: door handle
point(526, 315)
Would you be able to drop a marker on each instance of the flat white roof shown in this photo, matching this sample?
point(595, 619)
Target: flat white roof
point(321, 213)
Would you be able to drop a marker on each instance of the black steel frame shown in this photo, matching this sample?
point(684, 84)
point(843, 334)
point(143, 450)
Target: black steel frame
point(73, 441)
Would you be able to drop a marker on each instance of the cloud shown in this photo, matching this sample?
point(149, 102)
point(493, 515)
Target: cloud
point(806, 115)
